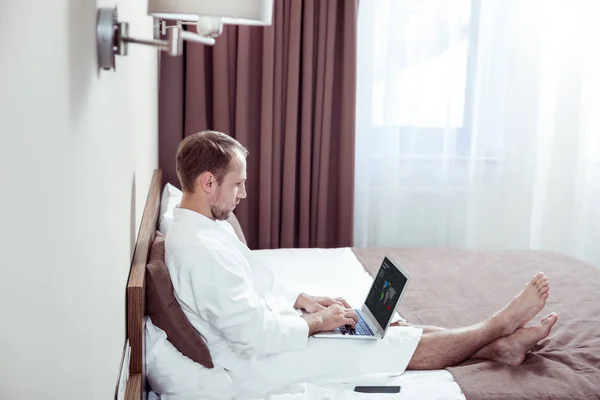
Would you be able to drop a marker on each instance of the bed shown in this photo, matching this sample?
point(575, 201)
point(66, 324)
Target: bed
point(446, 290)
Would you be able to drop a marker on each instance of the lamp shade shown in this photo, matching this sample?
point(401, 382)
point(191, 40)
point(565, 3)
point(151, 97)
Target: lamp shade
point(235, 12)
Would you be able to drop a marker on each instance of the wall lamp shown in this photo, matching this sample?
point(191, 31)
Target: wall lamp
point(170, 19)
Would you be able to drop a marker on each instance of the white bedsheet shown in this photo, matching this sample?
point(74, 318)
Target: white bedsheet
point(331, 272)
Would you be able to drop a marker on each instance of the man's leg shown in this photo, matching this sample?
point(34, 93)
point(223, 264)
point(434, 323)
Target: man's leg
point(510, 349)
point(443, 348)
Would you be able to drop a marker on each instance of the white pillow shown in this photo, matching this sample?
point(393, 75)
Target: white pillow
point(170, 199)
point(175, 376)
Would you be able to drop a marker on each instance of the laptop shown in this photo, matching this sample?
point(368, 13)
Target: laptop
point(382, 301)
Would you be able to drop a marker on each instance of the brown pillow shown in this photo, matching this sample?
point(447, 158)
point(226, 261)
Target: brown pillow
point(233, 221)
point(165, 311)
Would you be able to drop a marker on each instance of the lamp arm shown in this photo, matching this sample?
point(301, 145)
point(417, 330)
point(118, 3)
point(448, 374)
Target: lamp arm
point(160, 44)
point(194, 37)
point(173, 45)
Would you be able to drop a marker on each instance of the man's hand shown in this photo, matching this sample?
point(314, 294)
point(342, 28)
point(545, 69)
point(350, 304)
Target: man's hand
point(330, 318)
point(313, 304)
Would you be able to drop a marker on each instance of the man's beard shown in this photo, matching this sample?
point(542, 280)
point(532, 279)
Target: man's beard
point(219, 209)
point(220, 214)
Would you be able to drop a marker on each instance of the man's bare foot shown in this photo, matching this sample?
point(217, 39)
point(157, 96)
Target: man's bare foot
point(512, 349)
point(526, 305)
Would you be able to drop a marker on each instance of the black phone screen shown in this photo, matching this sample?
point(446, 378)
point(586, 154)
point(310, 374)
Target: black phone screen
point(377, 389)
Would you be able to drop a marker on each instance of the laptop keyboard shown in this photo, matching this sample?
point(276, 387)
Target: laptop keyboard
point(361, 329)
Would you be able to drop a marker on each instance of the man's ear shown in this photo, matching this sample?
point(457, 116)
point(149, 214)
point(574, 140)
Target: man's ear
point(206, 181)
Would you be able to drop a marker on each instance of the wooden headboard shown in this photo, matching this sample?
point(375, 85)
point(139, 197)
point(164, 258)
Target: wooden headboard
point(136, 291)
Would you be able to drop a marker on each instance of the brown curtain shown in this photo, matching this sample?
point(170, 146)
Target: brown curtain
point(287, 92)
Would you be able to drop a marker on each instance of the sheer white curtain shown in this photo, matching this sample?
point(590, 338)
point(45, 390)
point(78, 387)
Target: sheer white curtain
point(478, 125)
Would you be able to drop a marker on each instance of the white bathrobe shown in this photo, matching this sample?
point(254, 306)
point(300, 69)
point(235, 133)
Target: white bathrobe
point(247, 319)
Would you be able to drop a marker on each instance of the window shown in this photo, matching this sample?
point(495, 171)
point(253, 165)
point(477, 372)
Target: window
point(420, 69)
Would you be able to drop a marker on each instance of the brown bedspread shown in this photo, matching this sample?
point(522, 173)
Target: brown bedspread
point(453, 288)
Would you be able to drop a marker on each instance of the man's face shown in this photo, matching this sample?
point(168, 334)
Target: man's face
point(231, 190)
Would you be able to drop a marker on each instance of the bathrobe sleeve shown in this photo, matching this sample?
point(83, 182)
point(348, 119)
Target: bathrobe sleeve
point(235, 309)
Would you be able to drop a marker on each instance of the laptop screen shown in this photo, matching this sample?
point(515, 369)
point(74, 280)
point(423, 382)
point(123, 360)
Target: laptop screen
point(385, 292)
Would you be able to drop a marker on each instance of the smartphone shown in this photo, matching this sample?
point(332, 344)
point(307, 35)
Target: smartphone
point(377, 389)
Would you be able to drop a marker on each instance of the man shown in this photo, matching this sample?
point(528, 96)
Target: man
point(250, 322)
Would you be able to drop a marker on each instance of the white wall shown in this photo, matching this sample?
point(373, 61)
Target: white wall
point(77, 151)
